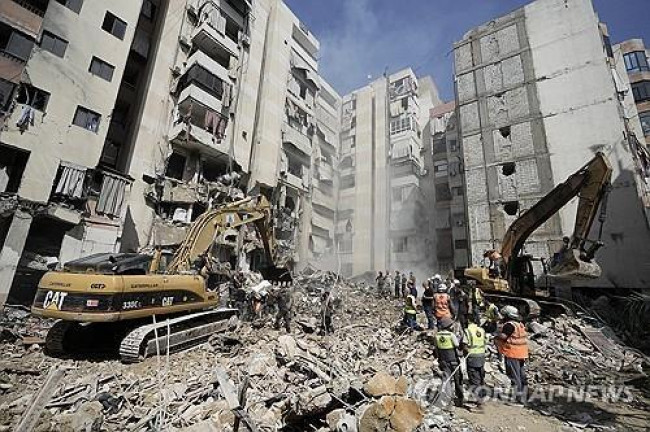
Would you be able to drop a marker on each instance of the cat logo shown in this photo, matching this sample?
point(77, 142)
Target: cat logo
point(97, 286)
point(54, 300)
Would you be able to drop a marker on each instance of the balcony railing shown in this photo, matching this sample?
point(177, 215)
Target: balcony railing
point(27, 16)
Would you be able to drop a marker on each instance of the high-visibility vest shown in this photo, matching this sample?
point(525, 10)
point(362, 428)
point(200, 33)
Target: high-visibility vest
point(445, 340)
point(516, 346)
point(475, 337)
point(441, 309)
point(492, 313)
point(409, 307)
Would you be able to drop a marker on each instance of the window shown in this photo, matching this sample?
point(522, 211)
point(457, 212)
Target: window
point(458, 219)
point(402, 123)
point(348, 182)
point(439, 146)
point(453, 145)
point(608, 46)
point(203, 78)
point(442, 192)
point(440, 169)
point(101, 69)
point(175, 166)
point(87, 119)
point(401, 193)
point(641, 91)
point(457, 191)
point(148, 10)
point(6, 92)
point(114, 25)
point(636, 61)
point(73, 5)
point(17, 45)
point(53, 44)
point(400, 244)
point(645, 122)
point(33, 96)
point(460, 244)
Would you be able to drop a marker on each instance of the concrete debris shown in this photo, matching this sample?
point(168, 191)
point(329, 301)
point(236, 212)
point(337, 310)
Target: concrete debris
point(368, 375)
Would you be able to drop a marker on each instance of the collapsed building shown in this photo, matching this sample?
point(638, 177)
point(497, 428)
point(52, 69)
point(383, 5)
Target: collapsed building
point(128, 122)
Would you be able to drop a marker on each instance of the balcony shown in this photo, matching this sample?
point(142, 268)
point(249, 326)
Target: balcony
point(24, 15)
point(193, 94)
point(11, 68)
point(321, 199)
point(203, 130)
point(299, 140)
point(214, 42)
point(322, 222)
point(325, 172)
point(294, 181)
point(94, 193)
point(208, 64)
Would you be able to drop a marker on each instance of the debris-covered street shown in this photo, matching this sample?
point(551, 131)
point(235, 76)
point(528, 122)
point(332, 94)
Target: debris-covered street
point(369, 374)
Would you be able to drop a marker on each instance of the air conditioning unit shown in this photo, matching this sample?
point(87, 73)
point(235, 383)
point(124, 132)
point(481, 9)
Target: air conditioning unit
point(185, 41)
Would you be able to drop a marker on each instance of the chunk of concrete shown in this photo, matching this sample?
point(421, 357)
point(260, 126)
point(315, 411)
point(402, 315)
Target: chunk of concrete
point(391, 414)
point(383, 384)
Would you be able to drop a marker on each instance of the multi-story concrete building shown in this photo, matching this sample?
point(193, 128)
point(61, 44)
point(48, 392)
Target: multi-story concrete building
point(59, 201)
point(538, 92)
point(635, 56)
point(380, 210)
point(133, 119)
point(443, 189)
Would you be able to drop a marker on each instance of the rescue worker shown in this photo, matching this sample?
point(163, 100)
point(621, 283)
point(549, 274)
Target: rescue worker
point(403, 285)
point(478, 301)
point(454, 296)
point(389, 284)
point(495, 262)
point(326, 312)
point(427, 304)
point(412, 289)
point(397, 287)
point(447, 345)
point(284, 302)
point(410, 313)
point(474, 340)
point(442, 303)
point(512, 342)
point(463, 306)
point(381, 281)
point(492, 317)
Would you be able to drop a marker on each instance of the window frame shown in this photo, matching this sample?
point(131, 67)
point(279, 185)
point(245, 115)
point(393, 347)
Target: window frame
point(115, 20)
point(646, 128)
point(636, 61)
point(641, 91)
point(55, 40)
point(103, 67)
point(86, 111)
point(400, 244)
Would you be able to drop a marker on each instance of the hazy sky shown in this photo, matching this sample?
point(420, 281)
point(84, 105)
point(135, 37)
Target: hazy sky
point(364, 37)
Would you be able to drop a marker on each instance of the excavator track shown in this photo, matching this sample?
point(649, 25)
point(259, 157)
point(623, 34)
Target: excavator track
point(534, 306)
point(55, 337)
point(184, 331)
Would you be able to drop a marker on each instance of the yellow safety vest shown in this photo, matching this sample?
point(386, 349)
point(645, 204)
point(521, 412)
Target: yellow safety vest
point(475, 337)
point(445, 340)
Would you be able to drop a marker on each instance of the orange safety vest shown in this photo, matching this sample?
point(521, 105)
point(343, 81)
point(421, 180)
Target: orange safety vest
point(516, 346)
point(441, 302)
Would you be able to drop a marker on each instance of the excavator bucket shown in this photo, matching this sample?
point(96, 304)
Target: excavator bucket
point(571, 266)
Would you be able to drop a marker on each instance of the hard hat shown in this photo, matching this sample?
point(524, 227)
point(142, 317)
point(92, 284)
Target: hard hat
point(510, 312)
point(456, 282)
point(437, 277)
point(445, 322)
point(442, 288)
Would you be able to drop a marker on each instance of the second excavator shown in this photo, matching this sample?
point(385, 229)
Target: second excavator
point(150, 303)
point(511, 274)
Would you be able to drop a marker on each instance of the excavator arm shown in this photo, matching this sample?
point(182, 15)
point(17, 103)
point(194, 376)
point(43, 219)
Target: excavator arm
point(207, 227)
point(590, 183)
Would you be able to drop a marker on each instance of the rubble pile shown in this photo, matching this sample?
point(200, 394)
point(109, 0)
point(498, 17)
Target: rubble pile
point(370, 375)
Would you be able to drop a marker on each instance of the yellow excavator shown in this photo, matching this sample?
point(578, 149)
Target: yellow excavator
point(151, 302)
point(511, 272)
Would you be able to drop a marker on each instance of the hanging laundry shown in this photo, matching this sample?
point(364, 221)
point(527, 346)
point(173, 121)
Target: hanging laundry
point(26, 118)
point(71, 181)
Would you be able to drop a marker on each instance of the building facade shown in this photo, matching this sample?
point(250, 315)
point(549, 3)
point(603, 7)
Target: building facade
point(380, 222)
point(637, 66)
point(539, 91)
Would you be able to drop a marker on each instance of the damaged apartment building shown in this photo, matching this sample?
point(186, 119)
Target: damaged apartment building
point(381, 221)
point(124, 122)
point(539, 91)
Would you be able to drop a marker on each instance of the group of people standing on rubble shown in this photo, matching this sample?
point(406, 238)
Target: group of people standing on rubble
point(463, 322)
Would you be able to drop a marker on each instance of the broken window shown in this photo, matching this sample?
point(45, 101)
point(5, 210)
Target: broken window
point(101, 69)
point(400, 244)
point(87, 119)
point(511, 207)
point(201, 77)
point(6, 93)
point(508, 169)
point(347, 162)
point(114, 25)
point(54, 44)
point(458, 219)
point(33, 96)
point(505, 131)
point(12, 166)
point(175, 166)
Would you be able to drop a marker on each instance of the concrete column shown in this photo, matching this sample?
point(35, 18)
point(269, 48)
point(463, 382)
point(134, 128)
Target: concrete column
point(12, 250)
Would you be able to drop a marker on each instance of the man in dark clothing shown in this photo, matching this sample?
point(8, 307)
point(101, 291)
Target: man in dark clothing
point(447, 345)
point(404, 291)
point(463, 308)
point(326, 312)
point(284, 301)
point(381, 281)
point(397, 287)
point(427, 305)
